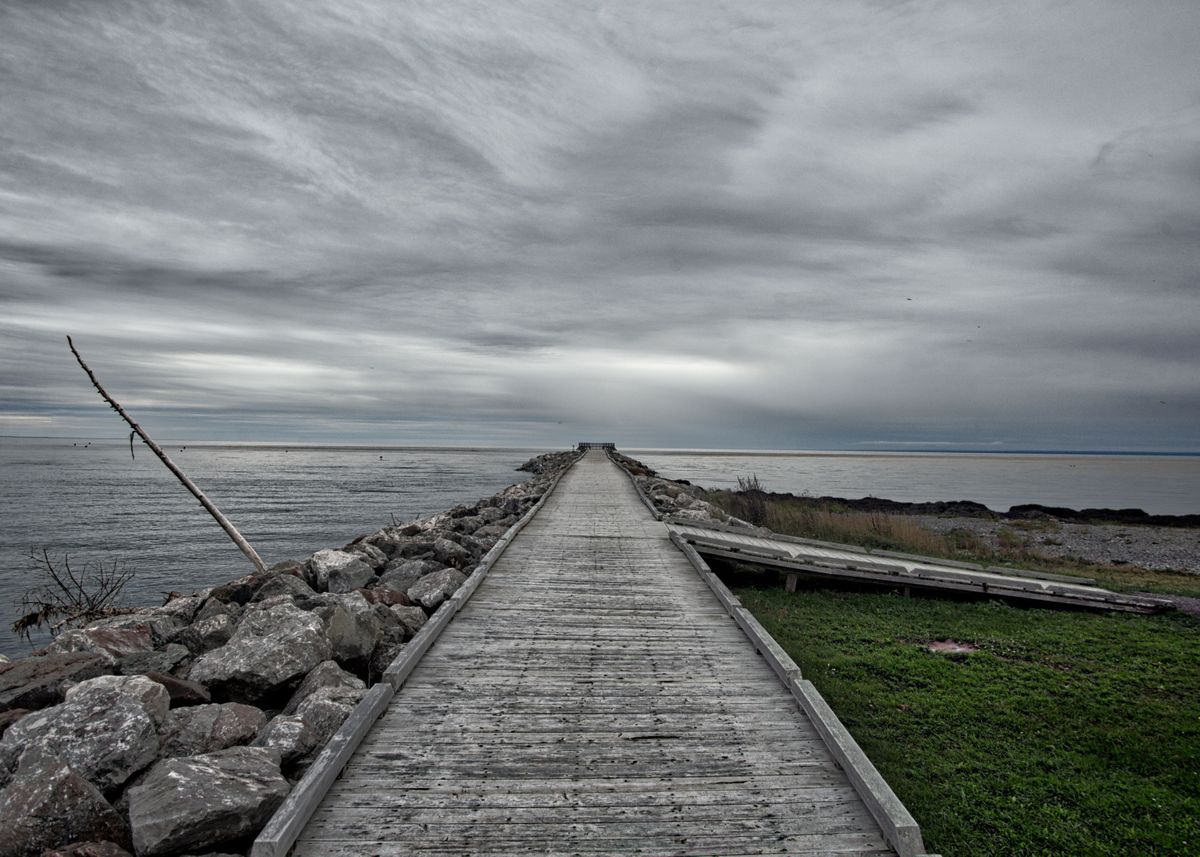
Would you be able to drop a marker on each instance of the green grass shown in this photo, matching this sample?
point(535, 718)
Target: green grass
point(1065, 733)
point(814, 519)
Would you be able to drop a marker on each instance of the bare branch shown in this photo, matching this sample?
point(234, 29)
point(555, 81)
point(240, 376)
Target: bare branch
point(225, 523)
point(67, 597)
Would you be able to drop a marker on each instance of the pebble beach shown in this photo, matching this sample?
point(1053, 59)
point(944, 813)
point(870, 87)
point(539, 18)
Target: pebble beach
point(1146, 546)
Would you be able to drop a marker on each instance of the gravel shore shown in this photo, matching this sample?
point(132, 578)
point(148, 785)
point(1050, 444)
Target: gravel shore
point(1157, 548)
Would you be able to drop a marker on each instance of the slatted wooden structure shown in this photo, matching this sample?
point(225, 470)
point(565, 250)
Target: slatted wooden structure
point(825, 561)
point(592, 697)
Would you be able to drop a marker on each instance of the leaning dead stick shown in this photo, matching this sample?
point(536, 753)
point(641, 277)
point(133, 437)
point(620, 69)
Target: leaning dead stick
point(228, 527)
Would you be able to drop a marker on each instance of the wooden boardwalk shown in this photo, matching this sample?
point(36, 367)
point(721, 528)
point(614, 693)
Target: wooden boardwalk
point(592, 697)
point(824, 561)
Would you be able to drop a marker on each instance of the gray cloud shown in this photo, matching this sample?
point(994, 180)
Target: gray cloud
point(784, 225)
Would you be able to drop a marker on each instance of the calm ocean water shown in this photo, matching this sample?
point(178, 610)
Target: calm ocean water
point(97, 505)
point(1158, 484)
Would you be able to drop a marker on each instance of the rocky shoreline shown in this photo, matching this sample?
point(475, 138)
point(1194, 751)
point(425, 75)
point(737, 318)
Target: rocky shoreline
point(1100, 536)
point(1158, 548)
point(180, 729)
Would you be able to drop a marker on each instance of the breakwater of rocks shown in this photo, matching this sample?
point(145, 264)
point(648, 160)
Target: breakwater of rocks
point(180, 729)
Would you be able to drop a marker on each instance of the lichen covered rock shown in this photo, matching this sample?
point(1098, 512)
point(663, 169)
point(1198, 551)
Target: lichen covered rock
point(432, 589)
point(338, 571)
point(208, 728)
point(49, 804)
point(106, 731)
point(270, 650)
point(202, 802)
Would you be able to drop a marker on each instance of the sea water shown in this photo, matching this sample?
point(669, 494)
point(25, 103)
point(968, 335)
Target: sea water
point(92, 502)
point(1158, 484)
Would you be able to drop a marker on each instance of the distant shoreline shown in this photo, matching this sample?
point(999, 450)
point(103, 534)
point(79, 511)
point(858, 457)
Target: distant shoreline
point(1024, 511)
point(705, 452)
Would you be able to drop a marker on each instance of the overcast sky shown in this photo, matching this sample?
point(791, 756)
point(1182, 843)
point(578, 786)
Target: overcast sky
point(695, 223)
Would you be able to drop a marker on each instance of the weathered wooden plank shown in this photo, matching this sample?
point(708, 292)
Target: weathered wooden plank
point(400, 796)
point(593, 839)
point(881, 566)
point(430, 781)
point(807, 813)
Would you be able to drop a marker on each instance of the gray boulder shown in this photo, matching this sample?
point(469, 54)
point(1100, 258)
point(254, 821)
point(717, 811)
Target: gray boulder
point(88, 849)
point(161, 627)
point(369, 554)
point(351, 628)
point(338, 571)
point(207, 728)
point(413, 548)
point(401, 574)
point(150, 694)
point(491, 514)
point(693, 515)
point(8, 718)
point(215, 607)
point(201, 802)
point(283, 584)
point(106, 731)
point(288, 567)
point(430, 591)
point(451, 553)
point(36, 682)
point(270, 650)
point(49, 804)
point(158, 661)
point(109, 643)
point(412, 618)
point(208, 633)
point(327, 675)
point(326, 709)
point(289, 735)
point(467, 524)
point(181, 691)
point(386, 596)
point(182, 607)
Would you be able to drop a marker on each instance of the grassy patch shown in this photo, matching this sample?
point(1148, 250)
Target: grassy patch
point(814, 519)
point(1064, 733)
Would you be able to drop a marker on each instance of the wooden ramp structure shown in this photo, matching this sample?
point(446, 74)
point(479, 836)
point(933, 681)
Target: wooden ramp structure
point(598, 696)
point(830, 562)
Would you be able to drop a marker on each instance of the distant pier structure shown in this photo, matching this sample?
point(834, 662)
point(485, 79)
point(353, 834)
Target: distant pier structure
point(586, 445)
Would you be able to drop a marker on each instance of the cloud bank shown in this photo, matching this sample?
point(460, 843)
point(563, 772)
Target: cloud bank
point(761, 224)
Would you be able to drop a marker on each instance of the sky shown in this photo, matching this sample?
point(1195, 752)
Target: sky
point(853, 225)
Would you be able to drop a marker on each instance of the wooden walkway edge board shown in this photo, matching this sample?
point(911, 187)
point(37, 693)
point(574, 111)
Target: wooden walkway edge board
point(279, 834)
point(848, 564)
point(898, 824)
point(719, 527)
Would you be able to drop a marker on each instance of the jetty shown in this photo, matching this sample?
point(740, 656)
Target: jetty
point(599, 691)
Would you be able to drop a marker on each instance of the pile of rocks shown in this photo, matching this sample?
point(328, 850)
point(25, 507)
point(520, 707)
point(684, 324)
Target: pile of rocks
point(182, 728)
point(551, 462)
point(679, 499)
